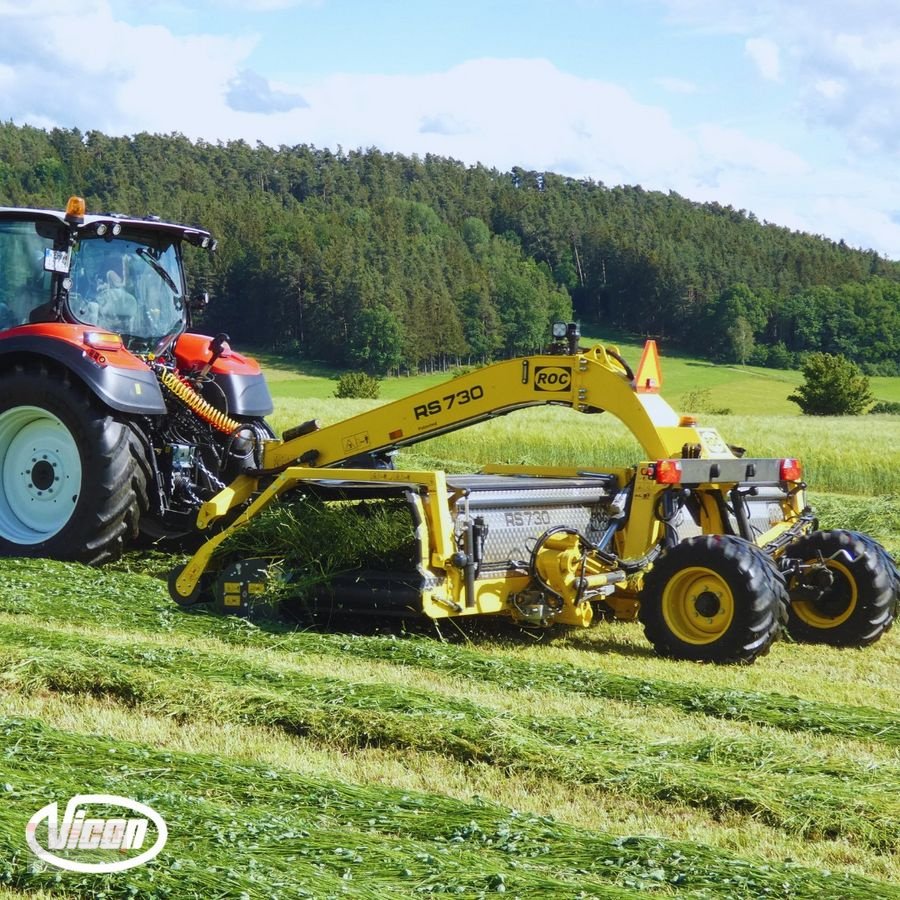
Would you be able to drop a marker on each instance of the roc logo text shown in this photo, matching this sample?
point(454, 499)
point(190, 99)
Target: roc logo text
point(552, 378)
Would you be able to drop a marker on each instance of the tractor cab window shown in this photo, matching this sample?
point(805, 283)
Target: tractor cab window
point(24, 285)
point(127, 285)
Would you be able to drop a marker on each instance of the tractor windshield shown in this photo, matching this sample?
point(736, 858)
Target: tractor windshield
point(130, 285)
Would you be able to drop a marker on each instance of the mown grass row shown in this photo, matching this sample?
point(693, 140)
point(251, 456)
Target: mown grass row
point(771, 709)
point(244, 831)
point(825, 799)
point(273, 666)
point(584, 806)
point(239, 829)
point(59, 592)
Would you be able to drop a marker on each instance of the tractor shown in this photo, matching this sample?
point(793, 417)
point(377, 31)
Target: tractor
point(117, 422)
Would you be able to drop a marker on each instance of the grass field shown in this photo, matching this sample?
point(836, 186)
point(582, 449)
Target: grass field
point(749, 390)
point(372, 760)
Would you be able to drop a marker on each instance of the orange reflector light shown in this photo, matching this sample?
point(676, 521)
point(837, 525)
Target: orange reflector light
point(790, 470)
point(103, 340)
point(687, 421)
point(667, 471)
point(75, 208)
point(396, 435)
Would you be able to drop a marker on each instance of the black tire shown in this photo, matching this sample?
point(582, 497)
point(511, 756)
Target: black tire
point(70, 484)
point(713, 598)
point(891, 564)
point(853, 602)
point(895, 614)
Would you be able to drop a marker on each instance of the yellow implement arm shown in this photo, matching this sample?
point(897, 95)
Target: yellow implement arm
point(590, 381)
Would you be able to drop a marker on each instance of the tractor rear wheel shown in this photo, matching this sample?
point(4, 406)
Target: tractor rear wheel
point(713, 598)
point(846, 594)
point(70, 485)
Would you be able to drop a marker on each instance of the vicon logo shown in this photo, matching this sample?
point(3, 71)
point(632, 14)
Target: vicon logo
point(552, 378)
point(77, 832)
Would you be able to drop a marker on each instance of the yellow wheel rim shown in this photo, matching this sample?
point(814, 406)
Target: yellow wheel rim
point(697, 605)
point(842, 599)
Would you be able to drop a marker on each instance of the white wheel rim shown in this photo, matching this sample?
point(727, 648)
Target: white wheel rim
point(40, 475)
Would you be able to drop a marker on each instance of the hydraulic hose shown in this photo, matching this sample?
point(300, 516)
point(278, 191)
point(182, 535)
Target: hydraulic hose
point(205, 410)
point(629, 566)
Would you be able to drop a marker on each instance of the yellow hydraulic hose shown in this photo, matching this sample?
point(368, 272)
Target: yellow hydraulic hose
point(197, 404)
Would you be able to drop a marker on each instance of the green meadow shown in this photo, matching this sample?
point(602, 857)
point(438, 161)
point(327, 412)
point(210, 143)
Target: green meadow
point(750, 390)
point(374, 760)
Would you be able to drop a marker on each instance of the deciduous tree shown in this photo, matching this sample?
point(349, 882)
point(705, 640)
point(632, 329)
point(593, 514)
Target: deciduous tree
point(832, 386)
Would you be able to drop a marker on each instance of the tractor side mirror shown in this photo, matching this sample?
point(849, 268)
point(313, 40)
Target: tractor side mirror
point(199, 301)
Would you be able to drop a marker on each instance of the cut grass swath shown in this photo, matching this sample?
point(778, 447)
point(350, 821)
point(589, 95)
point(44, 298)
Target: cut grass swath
point(796, 795)
point(266, 832)
point(62, 592)
point(310, 542)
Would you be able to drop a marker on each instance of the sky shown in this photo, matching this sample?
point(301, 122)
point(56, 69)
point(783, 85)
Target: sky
point(788, 109)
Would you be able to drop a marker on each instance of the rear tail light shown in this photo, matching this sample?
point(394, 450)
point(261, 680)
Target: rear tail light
point(667, 471)
point(790, 470)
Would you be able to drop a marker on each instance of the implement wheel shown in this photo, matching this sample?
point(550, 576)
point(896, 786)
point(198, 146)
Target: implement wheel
point(845, 593)
point(201, 592)
point(713, 598)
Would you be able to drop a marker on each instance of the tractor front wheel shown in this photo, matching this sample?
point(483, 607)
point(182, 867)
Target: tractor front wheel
point(843, 589)
point(713, 598)
point(70, 486)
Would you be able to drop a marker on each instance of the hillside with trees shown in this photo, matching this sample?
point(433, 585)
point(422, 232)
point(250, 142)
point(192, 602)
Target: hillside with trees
point(386, 262)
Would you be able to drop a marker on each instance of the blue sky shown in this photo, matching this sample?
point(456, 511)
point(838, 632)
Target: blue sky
point(790, 110)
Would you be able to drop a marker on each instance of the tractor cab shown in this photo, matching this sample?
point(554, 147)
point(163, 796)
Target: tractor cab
point(109, 272)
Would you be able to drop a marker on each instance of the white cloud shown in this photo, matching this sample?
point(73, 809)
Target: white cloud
point(82, 68)
point(765, 56)
point(859, 220)
point(743, 152)
point(869, 55)
point(500, 112)
point(823, 45)
point(677, 85)
point(248, 91)
point(830, 88)
point(443, 124)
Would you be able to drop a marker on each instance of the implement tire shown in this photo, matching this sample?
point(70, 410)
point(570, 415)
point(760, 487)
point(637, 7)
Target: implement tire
point(70, 484)
point(713, 598)
point(852, 601)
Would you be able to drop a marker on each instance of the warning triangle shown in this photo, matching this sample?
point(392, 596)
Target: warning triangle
point(649, 375)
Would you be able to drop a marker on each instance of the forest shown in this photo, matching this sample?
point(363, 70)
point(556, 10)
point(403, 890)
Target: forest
point(382, 262)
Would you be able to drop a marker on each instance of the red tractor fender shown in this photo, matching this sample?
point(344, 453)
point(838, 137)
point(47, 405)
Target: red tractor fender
point(123, 381)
